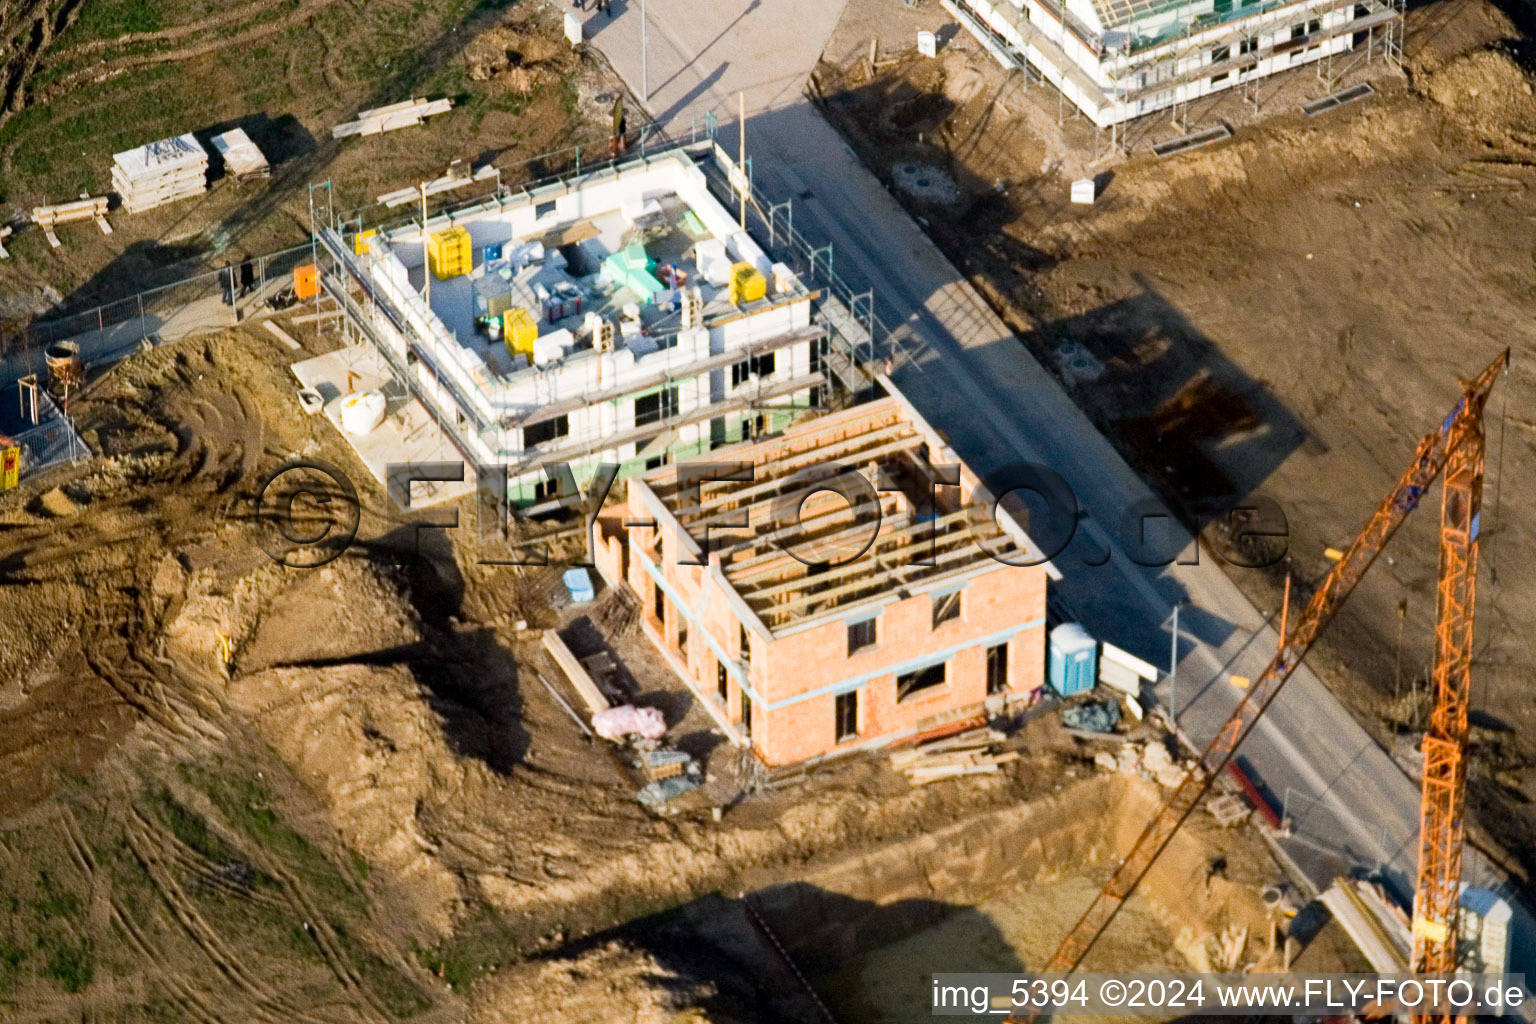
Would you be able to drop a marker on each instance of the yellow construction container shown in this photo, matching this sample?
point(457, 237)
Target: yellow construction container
point(448, 253)
point(519, 330)
point(747, 284)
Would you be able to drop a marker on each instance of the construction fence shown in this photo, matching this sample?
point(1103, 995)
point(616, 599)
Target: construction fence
point(224, 297)
point(203, 302)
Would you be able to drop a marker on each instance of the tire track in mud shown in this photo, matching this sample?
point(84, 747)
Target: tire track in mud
point(234, 16)
point(325, 940)
point(42, 25)
point(268, 1005)
point(117, 66)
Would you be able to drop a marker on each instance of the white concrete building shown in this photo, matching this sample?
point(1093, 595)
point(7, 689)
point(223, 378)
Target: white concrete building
point(1119, 59)
point(633, 371)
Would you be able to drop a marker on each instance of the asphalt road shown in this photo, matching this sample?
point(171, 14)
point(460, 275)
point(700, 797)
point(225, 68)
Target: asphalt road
point(1351, 806)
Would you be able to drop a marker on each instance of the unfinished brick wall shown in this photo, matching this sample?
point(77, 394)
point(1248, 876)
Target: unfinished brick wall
point(817, 659)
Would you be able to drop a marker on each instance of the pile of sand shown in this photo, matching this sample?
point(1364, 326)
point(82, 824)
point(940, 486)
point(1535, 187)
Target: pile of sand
point(611, 982)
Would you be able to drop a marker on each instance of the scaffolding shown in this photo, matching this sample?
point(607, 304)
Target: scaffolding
point(476, 418)
point(1192, 59)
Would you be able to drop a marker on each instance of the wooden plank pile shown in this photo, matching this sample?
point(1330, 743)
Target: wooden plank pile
point(966, 753)
point(160, 172)
point(388, 119)
point(585, 688)
point(243, 160)
point(50, 217)
point(457, 177)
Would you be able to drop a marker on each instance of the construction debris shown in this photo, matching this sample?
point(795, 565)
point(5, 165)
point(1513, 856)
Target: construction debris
point(396, 115)
point(242, 159)
point(458, 176)
point(49, 217)
point(1150, 760)
point(1095, 716)
point(160, 172)
point(966, 753)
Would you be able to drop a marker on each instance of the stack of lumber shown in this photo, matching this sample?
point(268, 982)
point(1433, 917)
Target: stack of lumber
point(585, 688)
point(396, 115)
point(159, 173)
point(966, 753)
point(243, 160)
point(457, 177)
point(90, 208)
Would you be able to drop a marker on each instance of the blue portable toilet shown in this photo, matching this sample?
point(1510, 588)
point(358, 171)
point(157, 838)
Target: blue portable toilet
point(1074, 659)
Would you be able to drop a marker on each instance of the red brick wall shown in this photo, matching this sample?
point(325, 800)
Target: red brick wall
point(1000, 600)
point(782, 668)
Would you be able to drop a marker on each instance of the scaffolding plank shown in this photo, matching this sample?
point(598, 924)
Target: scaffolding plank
point(1334, 100)
point(1194, 140)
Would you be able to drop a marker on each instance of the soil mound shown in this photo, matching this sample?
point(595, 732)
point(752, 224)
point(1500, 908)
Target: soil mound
point(1486, 89)
point(610, 982)
point(366, 741)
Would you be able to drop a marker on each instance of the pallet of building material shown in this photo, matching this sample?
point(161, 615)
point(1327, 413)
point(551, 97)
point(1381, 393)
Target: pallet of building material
point(49, 217)
point(243, 159)
point(1228, 809)
point(160, 172)
point(387, 119)
point(455, 178)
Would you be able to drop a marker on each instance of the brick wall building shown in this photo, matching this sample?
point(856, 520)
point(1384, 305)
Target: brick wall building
point(829, 619)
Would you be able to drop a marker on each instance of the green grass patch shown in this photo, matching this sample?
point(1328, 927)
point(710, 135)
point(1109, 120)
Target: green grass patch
point(476, 946)
point(11, 959)
point(246, 806)
point(399, 994)
point(108, 19)
point(189, 826)
point(54, 900)
point(71, 966)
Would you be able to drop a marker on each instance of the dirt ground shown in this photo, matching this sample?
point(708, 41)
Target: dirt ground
point(1285, 313)
point(82, 85)
point(373, 810)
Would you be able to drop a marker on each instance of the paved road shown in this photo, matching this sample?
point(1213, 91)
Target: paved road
point(967, 373)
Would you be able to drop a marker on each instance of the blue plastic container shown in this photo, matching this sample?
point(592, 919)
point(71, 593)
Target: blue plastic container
point(1074, 659)
point(579, 584)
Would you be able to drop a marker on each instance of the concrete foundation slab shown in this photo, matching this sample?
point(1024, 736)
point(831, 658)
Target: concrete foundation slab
point(407, 435)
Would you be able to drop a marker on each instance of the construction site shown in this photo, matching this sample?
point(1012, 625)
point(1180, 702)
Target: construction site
point(542, 520)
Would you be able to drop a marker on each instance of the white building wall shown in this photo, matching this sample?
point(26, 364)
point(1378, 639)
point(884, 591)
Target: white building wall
point(1098, 86)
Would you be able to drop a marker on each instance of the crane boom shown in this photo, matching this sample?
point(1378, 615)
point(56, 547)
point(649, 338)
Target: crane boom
point(1449, 443)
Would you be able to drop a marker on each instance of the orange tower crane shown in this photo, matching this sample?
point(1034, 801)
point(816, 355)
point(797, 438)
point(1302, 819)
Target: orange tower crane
point(1457, 449)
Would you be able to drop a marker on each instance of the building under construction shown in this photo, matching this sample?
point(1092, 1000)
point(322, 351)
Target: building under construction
point(620, 316)
point(840, 590)
point(1116, 60)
